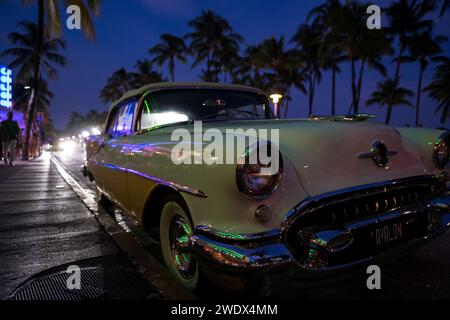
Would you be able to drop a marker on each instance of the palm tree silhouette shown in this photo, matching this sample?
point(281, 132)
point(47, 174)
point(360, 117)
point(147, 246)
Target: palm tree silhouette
point(144, 75)
point(444, 7)
point(22, 96)
point(116, 85)
point(423, 48)
point(24, 57)
point(438, 89)
point(308, 42)
point(323, 17)
point(170, 49)
point(211, 35)
point(49, 9)
point(407, 17)
point(388, 93)
point(374, 45)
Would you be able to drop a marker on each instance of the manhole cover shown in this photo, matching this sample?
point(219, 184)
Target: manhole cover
point(97, 282)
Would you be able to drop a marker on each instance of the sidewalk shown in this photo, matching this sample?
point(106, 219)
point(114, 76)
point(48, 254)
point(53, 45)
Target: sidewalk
point(44, 224)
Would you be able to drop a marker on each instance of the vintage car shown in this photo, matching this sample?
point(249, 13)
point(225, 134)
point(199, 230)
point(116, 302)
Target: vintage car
point(347, 191)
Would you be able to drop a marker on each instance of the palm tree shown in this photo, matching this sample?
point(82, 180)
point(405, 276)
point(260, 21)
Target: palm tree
point(423, 48)
point(211, 35)
point(308, 42)
point(389, 94)
point(293, 77)
point(374, 46)
point(250, 68)
point(349, 24)
point(94, 118)
point(24, 57)
point(120, 82)
point(444, 7)
point(407, 17)
point(50, 10)
point(144, 75)
point(170, 49)
point(323, 18)
point(22, 94)
point(439, 89)
point(281, 66)
point(75, 123)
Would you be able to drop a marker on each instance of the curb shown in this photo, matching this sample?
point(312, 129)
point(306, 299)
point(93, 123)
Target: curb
point(149, 266)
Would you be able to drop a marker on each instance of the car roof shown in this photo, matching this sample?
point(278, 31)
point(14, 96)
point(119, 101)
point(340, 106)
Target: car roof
point(182, 85)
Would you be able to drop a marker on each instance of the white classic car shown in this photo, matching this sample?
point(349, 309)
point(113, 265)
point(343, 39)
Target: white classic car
point(345, 191)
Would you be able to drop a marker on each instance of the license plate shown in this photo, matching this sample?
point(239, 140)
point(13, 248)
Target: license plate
point(389, 234)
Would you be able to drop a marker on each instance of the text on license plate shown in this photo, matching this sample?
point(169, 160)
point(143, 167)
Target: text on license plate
point(389, 233)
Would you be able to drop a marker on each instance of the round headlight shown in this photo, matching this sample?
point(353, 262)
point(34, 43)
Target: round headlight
point(441, 152)
point(258, 178)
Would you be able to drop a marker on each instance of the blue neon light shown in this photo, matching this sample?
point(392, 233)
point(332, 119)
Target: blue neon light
point(5, 87)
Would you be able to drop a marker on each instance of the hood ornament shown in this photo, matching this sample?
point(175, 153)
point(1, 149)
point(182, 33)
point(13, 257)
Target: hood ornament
point(379, 153)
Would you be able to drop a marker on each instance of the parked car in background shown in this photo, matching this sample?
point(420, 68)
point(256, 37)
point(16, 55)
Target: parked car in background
point(346, 192)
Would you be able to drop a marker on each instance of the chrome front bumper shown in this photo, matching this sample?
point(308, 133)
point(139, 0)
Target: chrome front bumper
point(268, 252)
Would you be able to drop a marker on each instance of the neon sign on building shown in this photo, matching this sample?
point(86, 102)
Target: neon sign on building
point(5, 87)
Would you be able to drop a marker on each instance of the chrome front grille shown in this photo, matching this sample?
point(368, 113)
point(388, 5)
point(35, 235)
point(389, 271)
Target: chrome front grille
point(342, 207)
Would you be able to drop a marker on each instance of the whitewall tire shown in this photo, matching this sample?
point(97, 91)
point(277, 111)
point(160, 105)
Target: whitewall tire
point(175, 228)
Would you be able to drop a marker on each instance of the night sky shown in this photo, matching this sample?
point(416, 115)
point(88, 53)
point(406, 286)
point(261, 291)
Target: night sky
point(127, 29)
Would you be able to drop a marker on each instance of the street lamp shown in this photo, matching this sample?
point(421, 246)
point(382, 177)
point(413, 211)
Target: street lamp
point(276, 97)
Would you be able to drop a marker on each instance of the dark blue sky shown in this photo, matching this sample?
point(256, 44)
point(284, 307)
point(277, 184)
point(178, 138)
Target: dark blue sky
point(126, 29)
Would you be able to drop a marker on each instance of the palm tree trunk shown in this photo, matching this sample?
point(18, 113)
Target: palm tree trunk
point(286, 107)
point(333, 91)
point(355, 108)
point(225, 75)
point(208, 62)
point(419, 89)
point(32, 103)
point(360, 77)
point(311, 93)
point(396, 80)
point(172, 68)
point(397, 68)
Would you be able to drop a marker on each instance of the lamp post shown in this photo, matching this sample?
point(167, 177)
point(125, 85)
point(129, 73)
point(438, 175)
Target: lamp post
point(276, 97)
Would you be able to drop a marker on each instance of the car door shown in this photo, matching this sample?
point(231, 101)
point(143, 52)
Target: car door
point(116, 151)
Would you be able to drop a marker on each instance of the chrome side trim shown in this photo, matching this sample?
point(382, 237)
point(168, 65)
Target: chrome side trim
point(239, 258)
point(241, 238)
point(176, 186)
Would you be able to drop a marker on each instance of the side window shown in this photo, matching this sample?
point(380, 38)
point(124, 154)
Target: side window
point(112, 122)
point(122, 122)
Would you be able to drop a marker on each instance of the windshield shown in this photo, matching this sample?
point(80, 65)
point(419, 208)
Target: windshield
point(172, 106)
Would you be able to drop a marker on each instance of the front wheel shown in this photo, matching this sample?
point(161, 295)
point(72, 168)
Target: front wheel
point(175, 228)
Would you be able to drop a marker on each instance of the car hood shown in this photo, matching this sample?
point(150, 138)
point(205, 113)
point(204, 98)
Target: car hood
point(326, 153)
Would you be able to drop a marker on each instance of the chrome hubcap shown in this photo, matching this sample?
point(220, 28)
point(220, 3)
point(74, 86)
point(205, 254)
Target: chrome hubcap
point(179, 234)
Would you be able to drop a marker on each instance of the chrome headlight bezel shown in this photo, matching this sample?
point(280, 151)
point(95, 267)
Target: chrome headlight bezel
point(441, 151)
point(243, 177)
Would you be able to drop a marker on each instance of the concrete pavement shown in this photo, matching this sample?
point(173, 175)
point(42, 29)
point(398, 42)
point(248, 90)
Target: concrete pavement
point(43, 224)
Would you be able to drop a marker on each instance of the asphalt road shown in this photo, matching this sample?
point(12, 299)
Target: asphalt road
point(422, 275)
